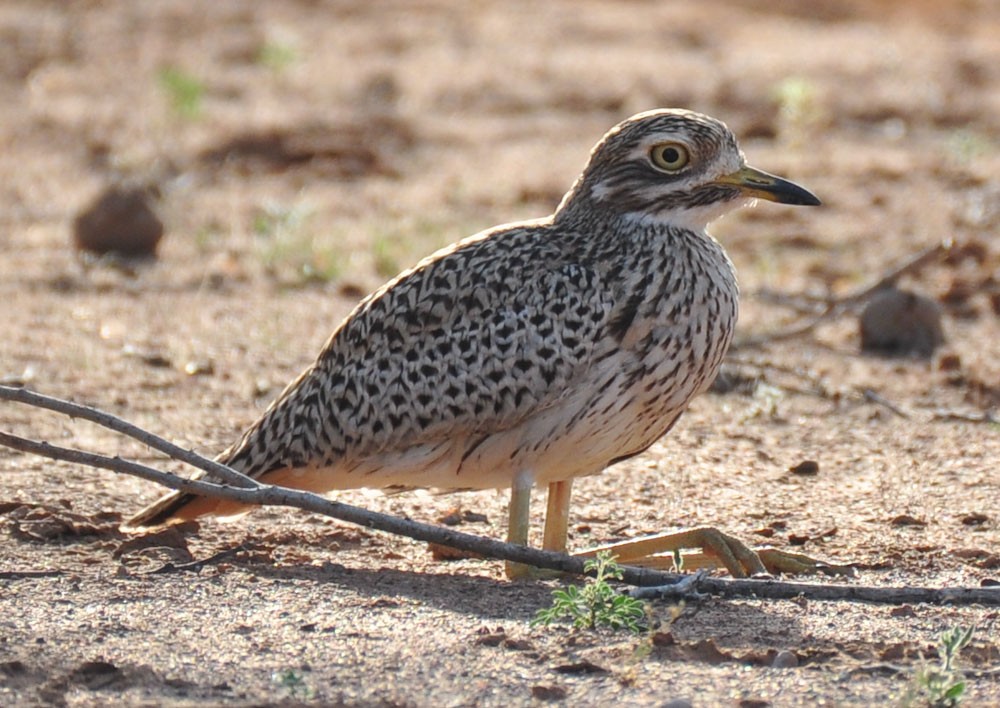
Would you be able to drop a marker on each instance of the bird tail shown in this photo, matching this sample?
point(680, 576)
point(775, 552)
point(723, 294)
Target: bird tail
point(178, 507)
point(264, 462)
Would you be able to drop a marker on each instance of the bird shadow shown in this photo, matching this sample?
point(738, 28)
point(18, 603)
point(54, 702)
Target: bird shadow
point(474, 595)
point(694, 622)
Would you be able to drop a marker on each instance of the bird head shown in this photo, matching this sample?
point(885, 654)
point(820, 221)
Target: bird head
point(675, 167)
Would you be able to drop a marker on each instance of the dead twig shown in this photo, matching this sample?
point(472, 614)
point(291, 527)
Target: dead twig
point(112, 422)
point(253, 492)
point(779, 589)
point(988, 417)
point(22, 574)
point(802, 303)
point(818, 386)
point(836, 307)
point(878, 399)
point(197, 565)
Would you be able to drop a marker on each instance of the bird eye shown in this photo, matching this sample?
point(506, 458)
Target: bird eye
point(669, 156)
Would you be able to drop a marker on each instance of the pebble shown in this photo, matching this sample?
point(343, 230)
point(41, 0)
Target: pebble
point(785, 659)
point(677, 703)
point(901, 323)
point(120, 221)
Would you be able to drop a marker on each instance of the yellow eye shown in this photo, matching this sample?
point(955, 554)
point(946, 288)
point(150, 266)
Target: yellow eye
point(669, 156)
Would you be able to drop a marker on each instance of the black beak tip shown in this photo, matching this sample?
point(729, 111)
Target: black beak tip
point(810, 200)
point(791, 193)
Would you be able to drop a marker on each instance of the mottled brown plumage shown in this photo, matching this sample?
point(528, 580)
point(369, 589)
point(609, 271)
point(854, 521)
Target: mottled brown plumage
point(532, 353)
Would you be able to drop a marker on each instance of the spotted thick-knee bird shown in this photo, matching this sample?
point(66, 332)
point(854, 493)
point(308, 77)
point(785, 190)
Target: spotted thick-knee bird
point(531, 353)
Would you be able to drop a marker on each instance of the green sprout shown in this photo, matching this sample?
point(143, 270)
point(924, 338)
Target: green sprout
point(941, 686)
point(596, 604)
point(277, 56)
point(800, 108)
point(185, 91)
point(293, 683)
point(290, 251)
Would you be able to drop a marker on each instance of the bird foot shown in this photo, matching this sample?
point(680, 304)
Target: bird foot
point(777, 561)
point(718, 550)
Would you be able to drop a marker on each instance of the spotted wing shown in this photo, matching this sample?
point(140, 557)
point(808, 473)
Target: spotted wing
point(469, 342)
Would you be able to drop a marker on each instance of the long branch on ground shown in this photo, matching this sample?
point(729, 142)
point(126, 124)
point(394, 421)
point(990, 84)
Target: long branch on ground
point(250, 491)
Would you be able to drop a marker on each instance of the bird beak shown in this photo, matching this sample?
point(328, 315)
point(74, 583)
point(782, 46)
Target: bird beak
point(760, 185)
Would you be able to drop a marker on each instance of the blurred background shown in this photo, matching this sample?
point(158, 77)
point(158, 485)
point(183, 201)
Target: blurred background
point(336, 142)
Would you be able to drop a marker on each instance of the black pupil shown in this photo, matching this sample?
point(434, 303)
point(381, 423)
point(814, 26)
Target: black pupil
point(671, 155)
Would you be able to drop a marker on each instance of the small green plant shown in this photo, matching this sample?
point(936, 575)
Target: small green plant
point(293, 682)
point(206, 237)
point(184, 91)
point(596, 604)
point(289, 251)
point(800, 108)
point(277, 56)
point(965, 145)
point(387, 262)
point(395, 246)
point(941, 686)
point(766, 402)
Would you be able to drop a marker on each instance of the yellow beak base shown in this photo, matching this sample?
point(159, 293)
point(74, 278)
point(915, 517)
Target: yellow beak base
point(761, 185)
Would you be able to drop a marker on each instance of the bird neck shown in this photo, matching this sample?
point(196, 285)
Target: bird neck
point(607, 229)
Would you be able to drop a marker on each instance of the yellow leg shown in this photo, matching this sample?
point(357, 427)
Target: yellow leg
point(518, 522)
point(557, 516)
point(721, 549)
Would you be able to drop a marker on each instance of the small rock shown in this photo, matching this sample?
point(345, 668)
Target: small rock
point(950, 362)
point(805, 468)
point(901, 323)
point(785, 659)
point(351, 291)
point(548, 693)
point(907, 520)
point(663, 639)
point(456, 516)
point(447, 553)
point(119, 221)
point(995, 303)
point(903, 611)
point(96, 674)
point(517, 644)
point(678, 703)
point(199, 368)
point(490, 640)
point(13, 668)
point(731, 380)
point(580, 667)
point(451, 518)
point(150, 357)
point(893, 652)
point(975, 519)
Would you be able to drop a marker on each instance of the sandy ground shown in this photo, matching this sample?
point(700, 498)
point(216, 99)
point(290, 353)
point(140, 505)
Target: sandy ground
point(304, 152)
